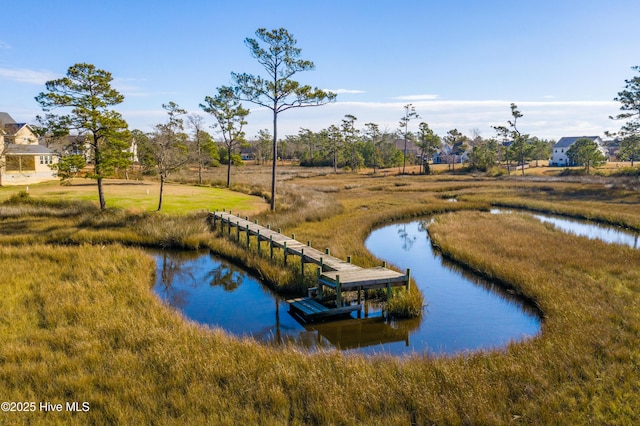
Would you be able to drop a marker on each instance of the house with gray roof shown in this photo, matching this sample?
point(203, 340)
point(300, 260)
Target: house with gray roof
point(23, 160)
point(559, 155)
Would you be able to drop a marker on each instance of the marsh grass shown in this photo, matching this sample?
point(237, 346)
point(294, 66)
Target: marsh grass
point(79, 322)
point(85, 326)
point(23, 204)
point(92, 331)
point(297, 204)
point(596, 202)
point(30, 220)
point(585, 300)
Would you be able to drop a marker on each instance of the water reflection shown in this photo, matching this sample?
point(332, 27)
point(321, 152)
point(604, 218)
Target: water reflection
point(355, 334)
point(173, 267)
point(407, 239)
point(608, 234)
point(225, 276)
point(214, 292)
point(508, 295)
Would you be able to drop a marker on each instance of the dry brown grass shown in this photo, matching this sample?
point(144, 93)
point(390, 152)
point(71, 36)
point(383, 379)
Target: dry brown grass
point(583, 369)
point(84, 324)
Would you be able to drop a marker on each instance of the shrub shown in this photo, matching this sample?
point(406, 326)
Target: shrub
point(21, 197)
point(406, 304)
point(496, 171)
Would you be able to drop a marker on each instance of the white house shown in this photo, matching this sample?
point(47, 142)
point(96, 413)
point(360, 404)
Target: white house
point(22, 159)
point(448, 155)
point(559, 155)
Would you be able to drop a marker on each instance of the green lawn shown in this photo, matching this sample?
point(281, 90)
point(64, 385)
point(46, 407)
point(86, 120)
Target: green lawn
point(143, 196)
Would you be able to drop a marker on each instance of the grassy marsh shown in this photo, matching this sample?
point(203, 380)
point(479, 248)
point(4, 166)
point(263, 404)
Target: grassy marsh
point(83, 324)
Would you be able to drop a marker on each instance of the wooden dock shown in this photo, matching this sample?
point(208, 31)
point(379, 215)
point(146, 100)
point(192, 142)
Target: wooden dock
point(312, 310)
point(337, 274)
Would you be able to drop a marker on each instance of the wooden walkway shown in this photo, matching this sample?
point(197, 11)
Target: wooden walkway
point(334, 273)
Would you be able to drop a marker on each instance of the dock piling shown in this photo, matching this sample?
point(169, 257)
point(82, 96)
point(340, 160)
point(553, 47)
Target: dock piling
point(271, 246)
point(284, 251)
point(258, 236)
point(319, 270)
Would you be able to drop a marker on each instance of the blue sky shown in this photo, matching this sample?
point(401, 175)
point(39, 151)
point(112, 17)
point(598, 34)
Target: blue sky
point(460, 63)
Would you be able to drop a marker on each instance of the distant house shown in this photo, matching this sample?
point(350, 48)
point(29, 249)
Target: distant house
point(74, 145)
point(22, 159)
point(613, 148)
point(247, 153)
point(441, 157)
point(559, 155)
point(79, 145)
point(412, 148)
point(450, 155)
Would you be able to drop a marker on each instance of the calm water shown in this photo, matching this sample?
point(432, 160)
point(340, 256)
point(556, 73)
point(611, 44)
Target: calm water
point(463, 312)
point(214, 292)
point(597, 231)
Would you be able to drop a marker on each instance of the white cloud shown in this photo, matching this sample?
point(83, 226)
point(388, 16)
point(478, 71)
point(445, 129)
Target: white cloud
point(345, 91)
point(4, 45)
point(27, 76)
point(129, 87)
point(425, 97)
point(546, 119)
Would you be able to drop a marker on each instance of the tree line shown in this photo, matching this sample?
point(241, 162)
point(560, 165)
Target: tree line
point(86, 99)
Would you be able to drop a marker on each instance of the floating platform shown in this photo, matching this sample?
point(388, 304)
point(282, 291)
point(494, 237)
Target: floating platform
point(311, 310)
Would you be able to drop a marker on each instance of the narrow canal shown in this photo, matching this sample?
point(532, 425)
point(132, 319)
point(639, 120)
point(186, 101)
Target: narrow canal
point(464, 312)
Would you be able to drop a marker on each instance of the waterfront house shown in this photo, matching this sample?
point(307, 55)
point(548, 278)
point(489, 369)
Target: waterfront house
point(22, 159)
point(559, 154)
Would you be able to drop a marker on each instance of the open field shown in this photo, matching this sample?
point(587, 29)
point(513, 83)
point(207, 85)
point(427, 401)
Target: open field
point(142, 196)
point(84, 326)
